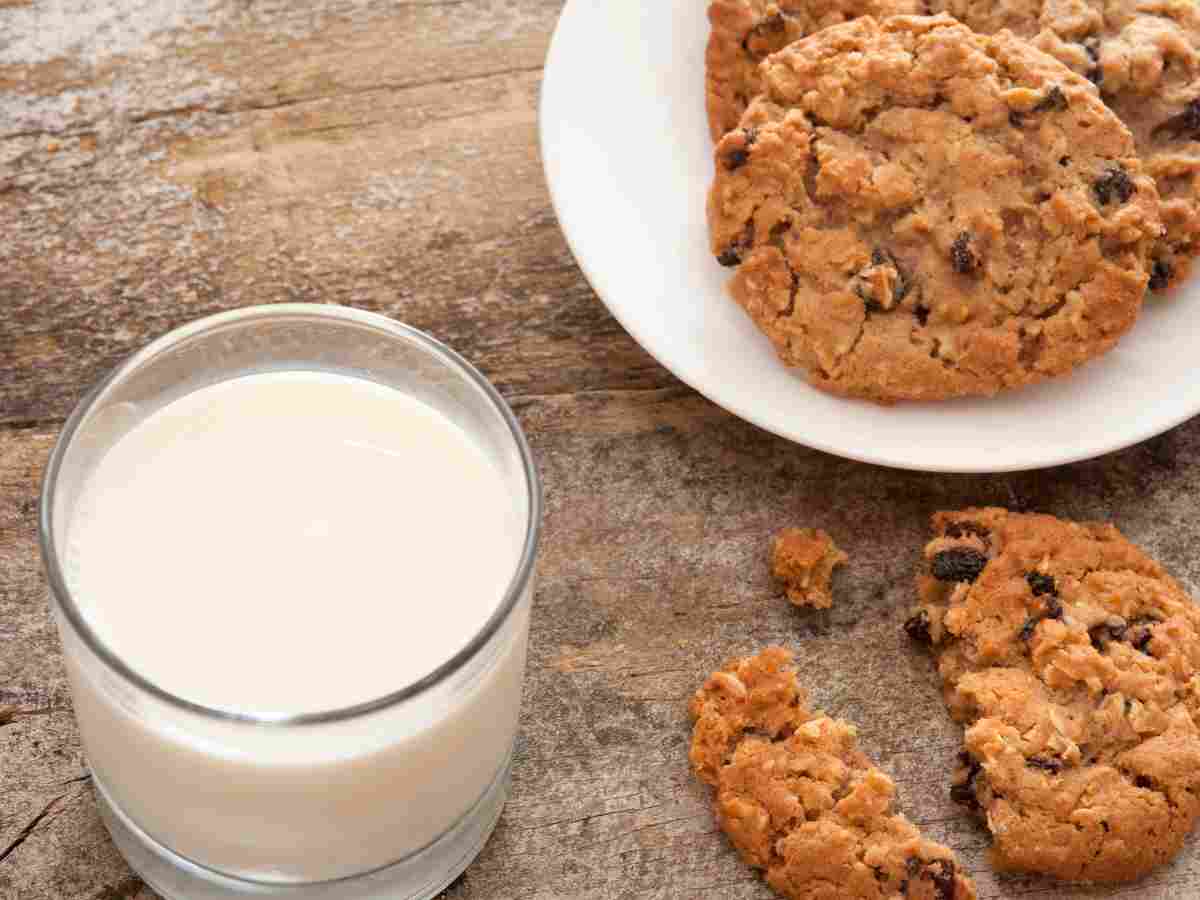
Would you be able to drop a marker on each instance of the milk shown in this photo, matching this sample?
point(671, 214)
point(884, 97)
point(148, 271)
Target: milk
point(289, 543)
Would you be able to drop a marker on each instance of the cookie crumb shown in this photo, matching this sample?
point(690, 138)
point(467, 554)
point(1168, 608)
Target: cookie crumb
point(804, 560)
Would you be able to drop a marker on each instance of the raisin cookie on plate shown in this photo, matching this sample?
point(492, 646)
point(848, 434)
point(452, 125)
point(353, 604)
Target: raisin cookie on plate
point(1144, 57)
point(745, 32)
point(915, 212)
point(1074, 661)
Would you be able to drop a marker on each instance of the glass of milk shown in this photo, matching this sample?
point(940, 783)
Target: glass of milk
point(290, 551)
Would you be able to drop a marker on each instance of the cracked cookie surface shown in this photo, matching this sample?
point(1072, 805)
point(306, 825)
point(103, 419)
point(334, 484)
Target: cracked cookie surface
point(745, 32)
point(799, 800)
point(1073, 660)
point(918, 212)
point(1144, 57)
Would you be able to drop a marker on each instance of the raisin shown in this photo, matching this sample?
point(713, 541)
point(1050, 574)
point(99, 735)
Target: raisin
point(1143, 782)
point(944, 878)
point(1140, 639)
point(1161, 274)
point(1054, 608)
point(1103, 633)
point(1184, 125)
point(962, 256)
point(964, 528)
point(1140, 634)
point(1094, 74)
point(735, 159)
point(1136, 632)
point(732, 255)
point(942, 872)
point(1041, 584)
point(917, 628)
point(1054, 99)
point(1048, 764)
point(1114, 183)
point(771, 25)
point(958, 564)
point(922, 315)
point(964, 794)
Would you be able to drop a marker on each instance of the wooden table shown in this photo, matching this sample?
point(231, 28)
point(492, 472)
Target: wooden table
point(162, 161)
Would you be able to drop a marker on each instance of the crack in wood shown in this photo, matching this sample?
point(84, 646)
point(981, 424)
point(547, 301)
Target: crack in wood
point(234, 108)
point(633, 831)
point(28, 830)
point(30, 424)
point(10, 714)
point(229, 109)
point(588, 818)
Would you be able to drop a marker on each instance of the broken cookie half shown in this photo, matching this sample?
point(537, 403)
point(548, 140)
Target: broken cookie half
point(799, 800)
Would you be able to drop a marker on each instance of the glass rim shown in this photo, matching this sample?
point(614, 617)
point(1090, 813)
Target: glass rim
point(333, 313)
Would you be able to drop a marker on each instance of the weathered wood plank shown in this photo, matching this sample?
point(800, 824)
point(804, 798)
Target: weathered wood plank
point(318, 155)
point(659, 508)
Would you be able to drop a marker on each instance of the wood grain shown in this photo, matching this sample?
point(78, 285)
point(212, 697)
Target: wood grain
point(395, 174)
point(384, 155)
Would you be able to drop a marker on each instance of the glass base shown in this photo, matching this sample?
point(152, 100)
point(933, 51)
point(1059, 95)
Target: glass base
point(419, 876)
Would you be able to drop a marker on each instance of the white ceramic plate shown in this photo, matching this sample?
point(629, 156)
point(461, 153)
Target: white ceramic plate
point(628, 161)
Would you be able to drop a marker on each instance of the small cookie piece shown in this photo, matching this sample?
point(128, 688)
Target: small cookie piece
point(1074, 661)
point(917, 212)
point(745, 32)
point(799, 800)
point(1144, 57)
point(804, 560)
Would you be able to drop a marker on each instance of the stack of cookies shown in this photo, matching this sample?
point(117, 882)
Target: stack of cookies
point(919, 207)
